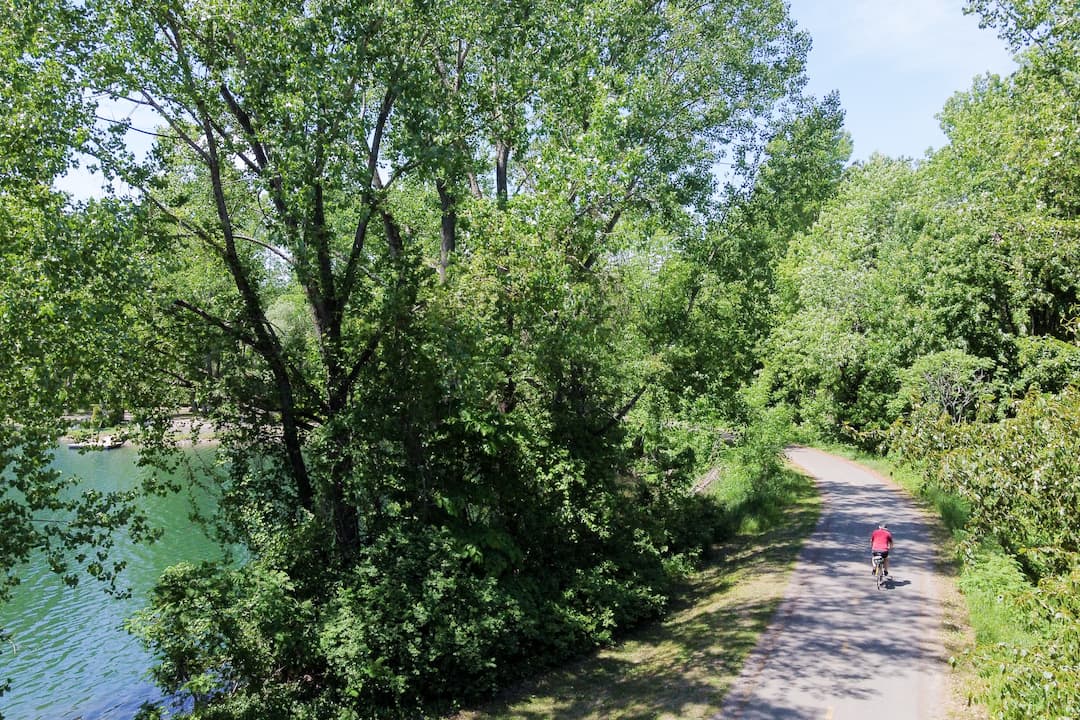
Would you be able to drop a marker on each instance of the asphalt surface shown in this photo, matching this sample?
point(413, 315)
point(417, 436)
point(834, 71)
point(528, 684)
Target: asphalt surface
point(838, 648)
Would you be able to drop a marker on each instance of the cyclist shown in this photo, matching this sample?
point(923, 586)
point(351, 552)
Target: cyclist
point(880, 544)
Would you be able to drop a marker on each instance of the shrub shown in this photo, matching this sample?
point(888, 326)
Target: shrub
point(1018, 479)
point(951, 380)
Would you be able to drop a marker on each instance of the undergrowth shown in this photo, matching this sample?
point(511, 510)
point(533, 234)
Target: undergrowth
point(682, 666)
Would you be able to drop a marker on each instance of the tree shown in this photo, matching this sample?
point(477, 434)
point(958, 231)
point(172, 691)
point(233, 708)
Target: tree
point(65, 279)
point(1010, 170)
point(1046, 25)
point(974, 253)
point(851, 312)
point(383, 246)
point(802, 169)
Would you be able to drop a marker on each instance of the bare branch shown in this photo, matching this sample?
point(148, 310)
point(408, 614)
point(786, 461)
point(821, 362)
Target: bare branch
point(398, 172)
point(129, 126)
point(359, 237)
point(251, 165)
point(463, 53)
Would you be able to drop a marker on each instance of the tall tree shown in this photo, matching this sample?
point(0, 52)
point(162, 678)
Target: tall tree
point(851, 310)
point(801, 171)
point(381, 245)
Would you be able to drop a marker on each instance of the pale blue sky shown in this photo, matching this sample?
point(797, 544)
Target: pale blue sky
point(895, 63)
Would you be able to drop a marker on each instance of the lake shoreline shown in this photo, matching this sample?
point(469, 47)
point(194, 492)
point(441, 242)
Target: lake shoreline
point(187, 430)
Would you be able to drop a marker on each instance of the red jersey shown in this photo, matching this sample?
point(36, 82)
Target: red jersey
point(880, 540)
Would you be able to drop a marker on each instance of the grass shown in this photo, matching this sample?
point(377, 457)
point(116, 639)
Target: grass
point(680, 667)
point(989, 583)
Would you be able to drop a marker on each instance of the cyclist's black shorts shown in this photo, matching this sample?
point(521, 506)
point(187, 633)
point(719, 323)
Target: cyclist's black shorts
point(882, 553)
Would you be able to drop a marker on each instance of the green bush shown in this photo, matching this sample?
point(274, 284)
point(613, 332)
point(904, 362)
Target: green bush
point(951, 380)
point(1047, 363)
point(753, 480)
point(1029, 641)
point(415, 622)
point(416, 625)
point(1017, 477)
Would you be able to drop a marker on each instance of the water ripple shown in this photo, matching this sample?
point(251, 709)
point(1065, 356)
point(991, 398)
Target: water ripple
point(70, 658)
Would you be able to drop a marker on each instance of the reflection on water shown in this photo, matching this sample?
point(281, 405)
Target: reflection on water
point(69, 656)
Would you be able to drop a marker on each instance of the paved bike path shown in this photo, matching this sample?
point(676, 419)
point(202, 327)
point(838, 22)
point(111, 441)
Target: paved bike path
point(838, 648)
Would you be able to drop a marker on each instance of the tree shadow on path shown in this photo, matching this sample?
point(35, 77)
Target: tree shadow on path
point(838, 646)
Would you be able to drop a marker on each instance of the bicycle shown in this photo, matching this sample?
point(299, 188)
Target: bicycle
point(879, 569)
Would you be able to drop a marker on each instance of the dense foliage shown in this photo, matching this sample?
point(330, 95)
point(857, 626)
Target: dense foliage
point(456, 286)
point(1017, 477)
point(462, 294)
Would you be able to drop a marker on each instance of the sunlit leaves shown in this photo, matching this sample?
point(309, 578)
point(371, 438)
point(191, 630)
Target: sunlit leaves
point(418, 263)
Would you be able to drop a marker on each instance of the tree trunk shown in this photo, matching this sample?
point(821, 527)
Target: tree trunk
point(449, 227)
point(502, 157)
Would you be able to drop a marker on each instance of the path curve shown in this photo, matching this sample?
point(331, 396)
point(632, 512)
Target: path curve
point(838, 648)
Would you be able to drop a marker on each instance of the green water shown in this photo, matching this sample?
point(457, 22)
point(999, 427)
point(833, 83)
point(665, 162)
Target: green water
point(69, 656)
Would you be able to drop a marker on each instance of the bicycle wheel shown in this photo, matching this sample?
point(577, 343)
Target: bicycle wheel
point(879, 574)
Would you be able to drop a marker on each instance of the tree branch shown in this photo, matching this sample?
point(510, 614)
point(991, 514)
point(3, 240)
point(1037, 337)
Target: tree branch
point(617, 417)
point(266, 246)
point(195, 230)
point(448, 228)
point(188, 140)
point(217, 322)
point(242, 117)
point(268, 345)
point(364, 359)
point(377, 136)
